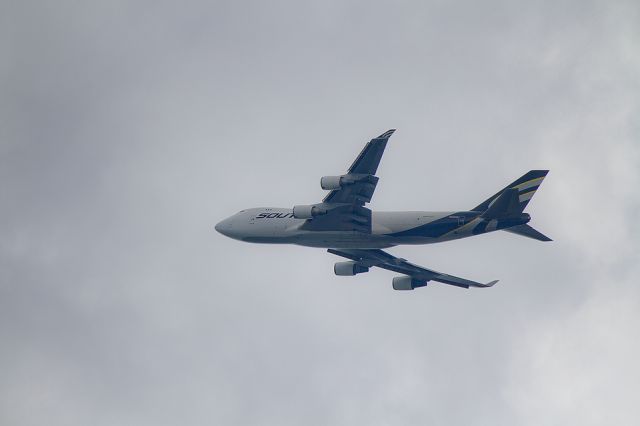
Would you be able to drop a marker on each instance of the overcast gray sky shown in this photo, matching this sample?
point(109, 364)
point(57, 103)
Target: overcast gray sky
point(128, 129)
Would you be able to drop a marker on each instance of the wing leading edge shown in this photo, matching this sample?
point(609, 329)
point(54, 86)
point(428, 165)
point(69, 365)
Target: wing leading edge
point(364, 168)
point(384, 260)
point(343, 208)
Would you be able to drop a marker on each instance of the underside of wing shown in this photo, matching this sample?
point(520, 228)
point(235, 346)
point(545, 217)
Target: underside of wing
point(361, 172)
point(415, 275)
point(343, 207)
point(529, 232)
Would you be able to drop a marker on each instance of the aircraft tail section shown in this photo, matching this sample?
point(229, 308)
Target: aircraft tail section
point(504, 205)
point(504, 210)
point(514, 197)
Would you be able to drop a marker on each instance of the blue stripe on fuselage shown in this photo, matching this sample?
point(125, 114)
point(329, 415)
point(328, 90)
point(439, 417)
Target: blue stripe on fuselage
point(481, 227)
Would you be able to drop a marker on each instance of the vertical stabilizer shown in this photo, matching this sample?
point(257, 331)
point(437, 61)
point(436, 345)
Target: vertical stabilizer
point(526, 186)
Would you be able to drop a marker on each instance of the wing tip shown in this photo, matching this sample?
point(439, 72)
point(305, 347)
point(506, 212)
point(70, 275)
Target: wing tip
point(387, 134)
point(489, 284)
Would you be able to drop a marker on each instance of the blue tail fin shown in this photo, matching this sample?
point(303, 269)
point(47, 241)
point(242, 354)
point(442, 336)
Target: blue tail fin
point(525, 186)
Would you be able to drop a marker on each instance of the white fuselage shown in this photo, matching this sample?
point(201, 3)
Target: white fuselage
point(278, 226)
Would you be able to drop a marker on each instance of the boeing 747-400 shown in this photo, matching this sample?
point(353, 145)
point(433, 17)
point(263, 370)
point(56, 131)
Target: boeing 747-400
point(342, 224)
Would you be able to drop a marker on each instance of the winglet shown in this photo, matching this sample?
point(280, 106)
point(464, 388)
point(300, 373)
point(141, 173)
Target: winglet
point(369, 158)
point(489, 284)
point(387, 134)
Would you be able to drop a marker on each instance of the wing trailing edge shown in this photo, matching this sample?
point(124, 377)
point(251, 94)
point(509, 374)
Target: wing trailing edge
point(418, 274)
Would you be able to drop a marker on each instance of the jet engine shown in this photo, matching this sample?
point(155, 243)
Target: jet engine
point(346, 269)
point(407, 283)
point(307, 212)
point(329, 183)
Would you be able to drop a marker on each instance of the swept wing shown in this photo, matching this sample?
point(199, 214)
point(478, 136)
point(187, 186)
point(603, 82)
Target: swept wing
point(343, 207)
point(363, 171)
point(384, 260)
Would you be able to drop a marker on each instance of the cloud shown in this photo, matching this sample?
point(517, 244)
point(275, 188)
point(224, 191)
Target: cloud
point(128, 130)
point(580, 365)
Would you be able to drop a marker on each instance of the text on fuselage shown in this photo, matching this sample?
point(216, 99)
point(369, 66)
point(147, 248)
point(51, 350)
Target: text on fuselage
point(274, 215)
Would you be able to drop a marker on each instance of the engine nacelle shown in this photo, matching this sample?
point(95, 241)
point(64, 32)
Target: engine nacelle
point(307, 212)
point(329, 183)
point(407, 283)
point(346, 269)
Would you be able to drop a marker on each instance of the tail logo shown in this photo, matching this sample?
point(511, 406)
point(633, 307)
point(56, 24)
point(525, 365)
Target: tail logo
point(528, 188)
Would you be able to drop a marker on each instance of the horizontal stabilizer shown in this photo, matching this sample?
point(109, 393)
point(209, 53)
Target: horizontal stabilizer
point(529, 232)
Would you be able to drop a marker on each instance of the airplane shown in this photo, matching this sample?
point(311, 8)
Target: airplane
point(342, 224)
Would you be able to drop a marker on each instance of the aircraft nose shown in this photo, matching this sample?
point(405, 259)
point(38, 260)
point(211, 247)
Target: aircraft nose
point(230, 227)
point(223, 227)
